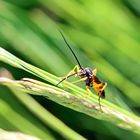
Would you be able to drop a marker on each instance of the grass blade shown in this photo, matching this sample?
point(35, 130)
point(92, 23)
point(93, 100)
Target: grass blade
point(73, 99)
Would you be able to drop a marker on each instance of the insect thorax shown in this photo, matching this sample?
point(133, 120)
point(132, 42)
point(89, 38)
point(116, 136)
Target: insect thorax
point(87, 73)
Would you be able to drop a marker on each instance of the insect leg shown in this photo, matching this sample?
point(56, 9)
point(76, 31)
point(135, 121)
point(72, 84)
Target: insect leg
point(89, 92)
point(65, 78)
point(80, 80)
point(73, 72)
point(94, 71)
point(99, 102)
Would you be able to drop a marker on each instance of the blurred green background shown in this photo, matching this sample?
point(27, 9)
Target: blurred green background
point(104, 35)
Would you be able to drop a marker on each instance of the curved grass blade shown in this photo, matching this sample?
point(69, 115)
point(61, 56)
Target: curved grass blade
point(74, 99)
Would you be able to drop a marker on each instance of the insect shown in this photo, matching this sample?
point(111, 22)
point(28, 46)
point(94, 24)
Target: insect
point(86, 74)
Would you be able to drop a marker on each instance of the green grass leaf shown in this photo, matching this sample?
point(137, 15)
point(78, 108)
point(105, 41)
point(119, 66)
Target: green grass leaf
point(72, 97)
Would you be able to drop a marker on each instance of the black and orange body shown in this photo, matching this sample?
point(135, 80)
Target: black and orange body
point(87, 75)
point(92, 81)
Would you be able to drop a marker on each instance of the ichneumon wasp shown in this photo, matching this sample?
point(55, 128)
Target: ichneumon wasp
point(86, 74)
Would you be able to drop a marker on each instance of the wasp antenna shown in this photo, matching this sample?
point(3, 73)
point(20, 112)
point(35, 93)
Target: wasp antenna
point(71, 50)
